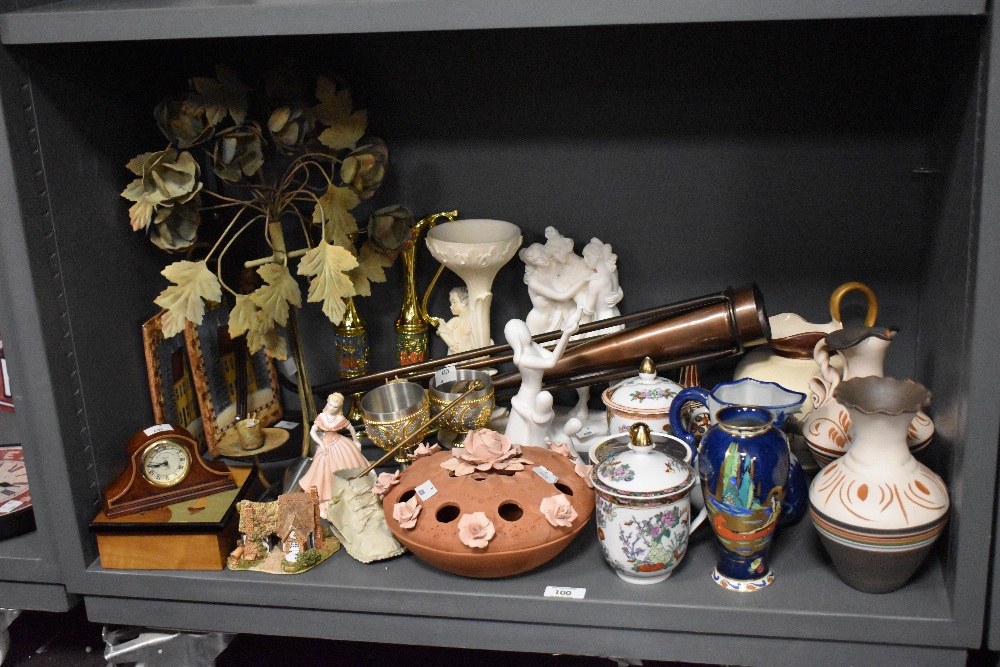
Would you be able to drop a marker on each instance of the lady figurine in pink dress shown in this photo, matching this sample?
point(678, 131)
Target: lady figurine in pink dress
point(334, 451)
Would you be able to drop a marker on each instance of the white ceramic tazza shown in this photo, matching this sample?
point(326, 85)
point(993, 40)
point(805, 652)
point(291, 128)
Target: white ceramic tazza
point(476, 250)
point(643, 509)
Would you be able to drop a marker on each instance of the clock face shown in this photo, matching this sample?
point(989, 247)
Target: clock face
point(14, 493)
point(165, 463)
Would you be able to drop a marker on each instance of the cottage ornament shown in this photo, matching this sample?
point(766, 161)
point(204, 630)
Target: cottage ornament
point(282, 537)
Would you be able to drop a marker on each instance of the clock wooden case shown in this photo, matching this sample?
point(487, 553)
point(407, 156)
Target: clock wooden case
point(16, 512)
point(163, 468)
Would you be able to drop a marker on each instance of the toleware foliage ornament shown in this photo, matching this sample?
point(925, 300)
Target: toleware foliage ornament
point(290, 149)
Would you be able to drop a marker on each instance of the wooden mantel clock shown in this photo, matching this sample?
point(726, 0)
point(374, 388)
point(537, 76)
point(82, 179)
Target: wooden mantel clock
point(163, 468)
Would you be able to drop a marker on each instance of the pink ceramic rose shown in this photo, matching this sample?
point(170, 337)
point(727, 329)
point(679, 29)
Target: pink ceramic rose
point(423, 450)
point(406, 513)
point(486, 447)
point(584, 472)
point(475, 530)
point(561, 448)
point(485, 450)
point(384, 482)
point(558, 511)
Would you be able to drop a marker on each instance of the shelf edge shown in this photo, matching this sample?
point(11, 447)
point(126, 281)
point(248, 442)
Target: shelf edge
point(80, 21)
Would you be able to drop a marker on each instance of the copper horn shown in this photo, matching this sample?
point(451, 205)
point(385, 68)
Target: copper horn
point(700, 329)
point(712, 331)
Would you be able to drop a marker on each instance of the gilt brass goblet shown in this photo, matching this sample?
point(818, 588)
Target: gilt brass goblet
point(470, 414)
point(394, 411)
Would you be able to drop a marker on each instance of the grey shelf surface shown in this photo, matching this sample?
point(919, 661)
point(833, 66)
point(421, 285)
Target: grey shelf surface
point(805, 590)
point(560, 635)
point(22, 558)
point(34, 596)
point(28, 579)
point(111, 20)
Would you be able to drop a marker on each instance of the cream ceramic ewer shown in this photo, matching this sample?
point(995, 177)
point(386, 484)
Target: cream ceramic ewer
point(788, 360)
point(476, 250)
point(827, 429)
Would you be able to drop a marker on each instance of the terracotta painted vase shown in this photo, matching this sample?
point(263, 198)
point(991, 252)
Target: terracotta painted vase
point(877, 509)
point(743, 463)
point(492, 522)
point(644, 509)
point(827, 427)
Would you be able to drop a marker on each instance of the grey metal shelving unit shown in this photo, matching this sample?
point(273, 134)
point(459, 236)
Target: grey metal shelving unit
point(29, 572)
point(30, 576)
point(799, 144)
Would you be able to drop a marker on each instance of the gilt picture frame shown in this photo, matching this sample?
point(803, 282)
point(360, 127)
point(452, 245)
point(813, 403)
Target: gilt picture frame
point(213, 356)
point(171, 378)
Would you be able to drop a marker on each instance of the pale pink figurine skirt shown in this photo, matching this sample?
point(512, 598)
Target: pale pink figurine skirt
point(337, 452)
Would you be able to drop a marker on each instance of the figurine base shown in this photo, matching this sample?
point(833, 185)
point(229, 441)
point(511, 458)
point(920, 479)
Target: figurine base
point(594, 428)
point(742, 585)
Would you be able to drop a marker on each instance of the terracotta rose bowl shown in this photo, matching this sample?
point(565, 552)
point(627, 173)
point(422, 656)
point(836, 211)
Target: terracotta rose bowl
point(523, 540)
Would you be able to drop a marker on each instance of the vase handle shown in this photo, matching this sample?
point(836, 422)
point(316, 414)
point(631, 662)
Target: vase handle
point(838, 295)
point(698, 520)
point(690, 394)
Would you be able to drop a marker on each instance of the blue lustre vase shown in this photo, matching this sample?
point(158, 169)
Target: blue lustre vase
point(743, 464)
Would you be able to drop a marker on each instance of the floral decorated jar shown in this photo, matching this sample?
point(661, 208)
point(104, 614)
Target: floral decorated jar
point(645, 398)
point(644, 509)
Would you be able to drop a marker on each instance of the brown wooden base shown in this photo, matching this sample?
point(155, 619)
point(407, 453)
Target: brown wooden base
point(166, 552)
point(150, 541)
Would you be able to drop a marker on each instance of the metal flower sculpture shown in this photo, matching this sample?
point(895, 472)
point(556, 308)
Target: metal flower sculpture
point(307, 164)
point(286, 157)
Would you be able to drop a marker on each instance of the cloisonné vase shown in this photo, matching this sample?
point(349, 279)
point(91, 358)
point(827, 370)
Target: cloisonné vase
point(743, 463)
